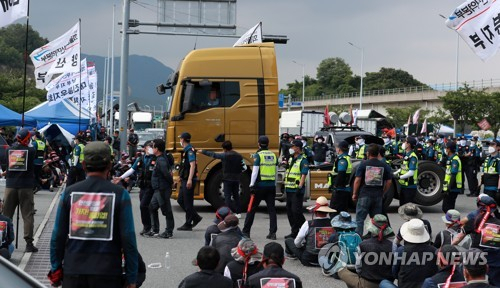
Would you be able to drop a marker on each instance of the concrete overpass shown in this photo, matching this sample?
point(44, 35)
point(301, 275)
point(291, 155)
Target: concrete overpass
point(425, 96)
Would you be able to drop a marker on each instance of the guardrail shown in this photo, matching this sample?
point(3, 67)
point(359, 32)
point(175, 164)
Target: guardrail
point(475, 84)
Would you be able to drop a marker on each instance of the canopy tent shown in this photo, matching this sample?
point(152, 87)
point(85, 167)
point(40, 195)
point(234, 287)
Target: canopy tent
point(65, 113)
point(11, 118)
point(56, 133)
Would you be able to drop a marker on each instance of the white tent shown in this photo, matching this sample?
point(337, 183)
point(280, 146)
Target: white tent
point(54, 132)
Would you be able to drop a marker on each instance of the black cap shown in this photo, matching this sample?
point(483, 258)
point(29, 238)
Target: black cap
point(475, 138)
point(343, 145)
point(23, 136)
point(97, 155)
point(321, 137)
point(412, 141)
point(451, 145)
point(297, 143)
point(263, 141)
point(359, 137)
point(185, 136)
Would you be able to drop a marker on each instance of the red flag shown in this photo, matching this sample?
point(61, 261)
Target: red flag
point(484, 124)
point(326, 121)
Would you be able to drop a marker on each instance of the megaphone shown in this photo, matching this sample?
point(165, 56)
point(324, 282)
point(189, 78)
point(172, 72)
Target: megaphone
point(345, 118)
point(334, 118)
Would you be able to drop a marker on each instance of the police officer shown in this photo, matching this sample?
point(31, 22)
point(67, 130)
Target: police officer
point(295, 178)
point(429, 152)
point(161, 183)
point(407, 175)
point(91, 255)
point(19, 182)
point(360, 152)
point(388, 145)
point(491, 171)
point(188, 177)
point(41, 151)
point(453, 181)
point(263, 187)
point(440, 148)
point(338, 179)
point(308, 153)
point(76, 172)
point(470, 166)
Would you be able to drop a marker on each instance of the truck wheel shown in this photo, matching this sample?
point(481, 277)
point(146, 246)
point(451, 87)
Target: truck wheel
point(215, 192)
point(430, 184)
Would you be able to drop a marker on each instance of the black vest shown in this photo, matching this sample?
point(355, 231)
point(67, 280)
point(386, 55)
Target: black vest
point(186, 166)
point(311, 253)
point(231, 166)
point(381, 269)
point(412, 275)
point(146, 171)
point(236, 269)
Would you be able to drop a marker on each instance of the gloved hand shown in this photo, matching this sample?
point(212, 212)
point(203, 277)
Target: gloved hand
point(396, 175)
point(252, 189)
point(55, 277)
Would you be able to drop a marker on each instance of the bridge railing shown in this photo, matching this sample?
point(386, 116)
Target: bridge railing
point(475, 84)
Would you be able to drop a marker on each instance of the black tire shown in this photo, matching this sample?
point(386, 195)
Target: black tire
point(214, 193)
point(430, 183)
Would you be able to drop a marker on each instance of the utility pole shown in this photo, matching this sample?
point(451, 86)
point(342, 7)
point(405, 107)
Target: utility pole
point(124, 77)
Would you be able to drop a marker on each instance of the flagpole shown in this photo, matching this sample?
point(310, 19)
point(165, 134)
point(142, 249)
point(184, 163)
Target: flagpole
point(112, 75)
point(25, 66)
point(80, 69)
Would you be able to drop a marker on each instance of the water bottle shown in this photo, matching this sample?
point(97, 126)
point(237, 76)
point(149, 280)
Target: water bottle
point(167, 260)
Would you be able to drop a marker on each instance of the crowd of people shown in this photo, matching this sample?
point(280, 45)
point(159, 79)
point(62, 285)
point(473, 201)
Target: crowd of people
point(94, 229)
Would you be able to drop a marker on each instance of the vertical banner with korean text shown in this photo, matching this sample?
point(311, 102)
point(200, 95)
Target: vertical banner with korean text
point(68, 86)
point(92, 77)
point(478, 23)
point(12, 10)
point(58, 56)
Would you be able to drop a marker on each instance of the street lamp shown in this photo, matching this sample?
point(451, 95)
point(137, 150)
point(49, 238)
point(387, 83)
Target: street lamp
point(362, 60)
point(303, 83)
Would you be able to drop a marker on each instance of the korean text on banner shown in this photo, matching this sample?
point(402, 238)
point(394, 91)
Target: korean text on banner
point(58, 56)
point(68, 86)
point(92, 76)
point(478, 23)
point(13, 10)
point(254, 35)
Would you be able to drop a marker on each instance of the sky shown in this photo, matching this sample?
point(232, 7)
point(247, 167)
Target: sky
point(407, 35)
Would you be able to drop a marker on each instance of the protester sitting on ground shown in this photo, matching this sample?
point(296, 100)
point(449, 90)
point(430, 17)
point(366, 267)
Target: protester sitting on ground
point(207, 259)
point(452, 221)
point(212, 230)
point(246, 263)
point(416, 260)
point(449, 270)
point(273, 259)
point(312, 236)
point(6, 235)
point(475, 271)
point(485, 223)
point(408, 212)
point(342, 223)
point(229, 238)
point(369, 270)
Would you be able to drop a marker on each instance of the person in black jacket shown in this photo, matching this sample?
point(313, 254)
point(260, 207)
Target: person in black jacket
point(232, 167)
point(475, 271)
point(207, 259)
point(226, 240)
point(213, 230)
point(273, 259)
point(319, 149)
point(449, 271)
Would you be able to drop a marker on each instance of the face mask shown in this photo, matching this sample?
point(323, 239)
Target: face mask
point(291, 151)
point(472, 143)
point(492, 150)
point(304, 143)
point(320, 141)
point(404, 146)
point(463, 142)
point(386, 140)
point(428, 145)
point(180, 142)
point(150, 150)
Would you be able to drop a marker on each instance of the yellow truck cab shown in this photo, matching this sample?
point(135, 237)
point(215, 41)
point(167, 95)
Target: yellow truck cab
point(223, 94)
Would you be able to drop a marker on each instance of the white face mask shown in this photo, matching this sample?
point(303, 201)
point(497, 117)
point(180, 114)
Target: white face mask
point(492, 150)
point(304, 143)
point(472, 143)
point(320, 141)
point(404, 146)
point(463, 142)
point(360, 141)
point(180, 142)
point(150, 151)
point(387, 140)
point(291, 151)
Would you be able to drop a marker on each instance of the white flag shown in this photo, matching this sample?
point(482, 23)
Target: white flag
point(416, 116)
point(478, 23)
point(68, 86)
point(59, 56)
point(254, 35)
point(424, 127)
point(92, 76)
point(13, 10)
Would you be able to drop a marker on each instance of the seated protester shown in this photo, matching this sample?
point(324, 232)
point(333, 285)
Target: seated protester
point(408, 212)
point(475, 271)
point(229, 238)
point(453, 227)
point(207, 260)
point(213, 230)
point(47, 177)
point(312, 236)
point(416, 260)
point(273, 259)
point(246, 263)
point(449, 271)
point(472, 215)
point(485, 223)
point(347, 241)
point(369, 274)
point(6, 235)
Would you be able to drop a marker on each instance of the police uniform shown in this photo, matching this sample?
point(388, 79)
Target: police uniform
point(264, 187)
point(338, 182)
point(453, 182)
point(144, 165)
point(491, 171)
point(76, 172)
point(41, 149)
point(471, 167)
point(408, 185)
point(87, 253)
point(161, 184)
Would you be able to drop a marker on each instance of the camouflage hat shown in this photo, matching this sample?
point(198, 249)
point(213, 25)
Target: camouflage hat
point(96, 155)
point(378, 222)
point(246, 249)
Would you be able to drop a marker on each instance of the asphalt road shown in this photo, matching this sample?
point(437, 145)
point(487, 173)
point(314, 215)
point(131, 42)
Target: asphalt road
point(184, 246)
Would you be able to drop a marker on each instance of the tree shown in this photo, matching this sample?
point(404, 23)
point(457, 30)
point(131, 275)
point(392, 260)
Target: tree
point(11, 92)
point(333, 75)
point(399, 116)
point(466, 106)
point(389, 78)
point(491, 108)
point(12, 42)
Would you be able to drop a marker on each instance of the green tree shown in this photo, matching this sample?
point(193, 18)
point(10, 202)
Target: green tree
point(399, 116)
point(334, 75)
point(466, 106)
point(11, 92)
point(13, 41)
point(389, 78)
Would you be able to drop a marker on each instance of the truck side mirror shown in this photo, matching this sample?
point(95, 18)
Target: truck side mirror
point(188, 96)
point(160, 89)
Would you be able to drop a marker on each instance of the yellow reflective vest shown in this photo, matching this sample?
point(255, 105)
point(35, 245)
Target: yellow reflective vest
point(447, 177)
point(267, 166)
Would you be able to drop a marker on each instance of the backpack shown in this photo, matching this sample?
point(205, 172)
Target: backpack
point(451, 234)
point(340, 254)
